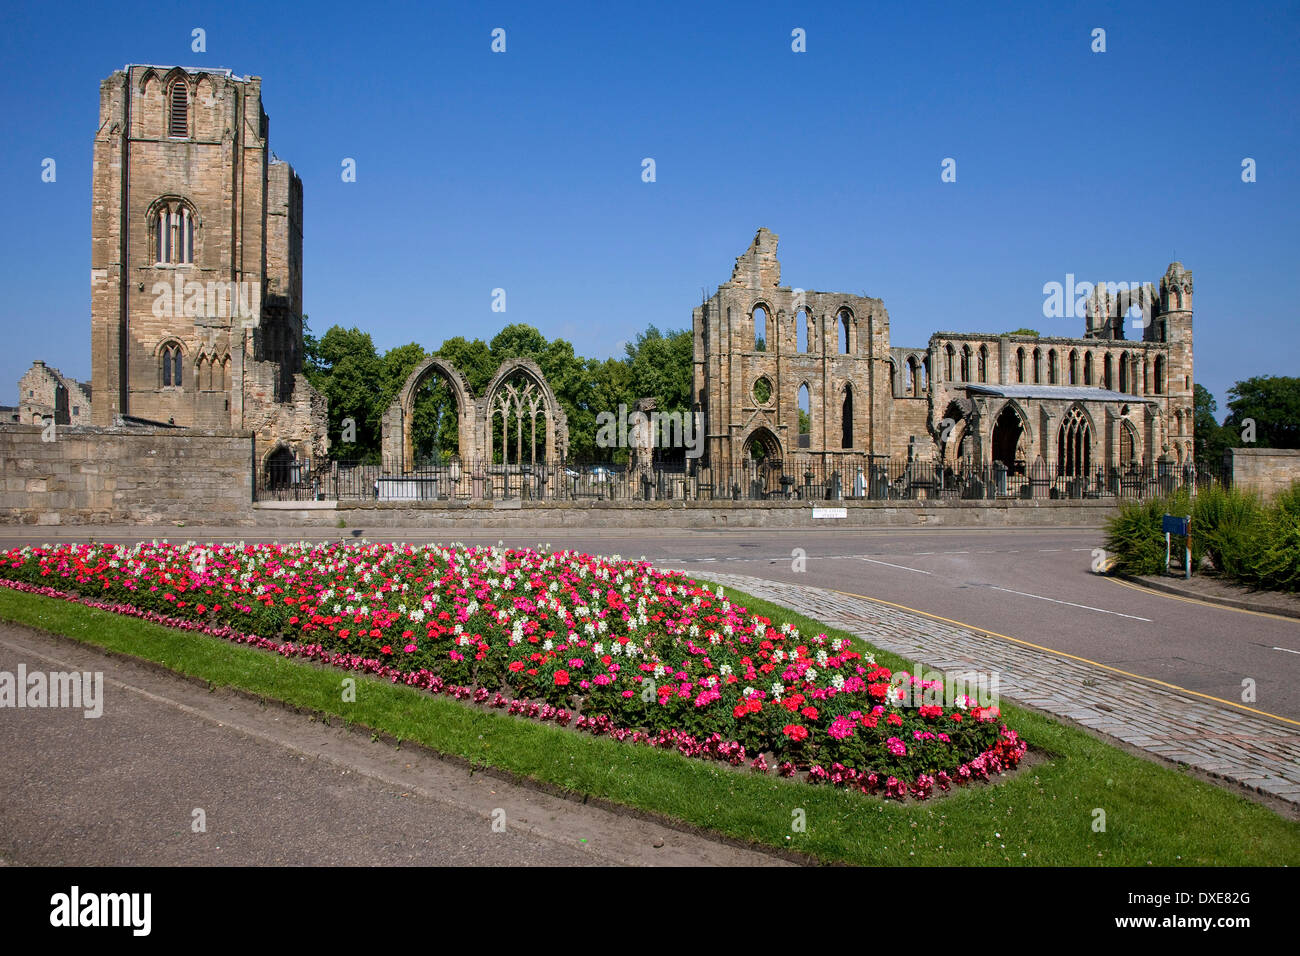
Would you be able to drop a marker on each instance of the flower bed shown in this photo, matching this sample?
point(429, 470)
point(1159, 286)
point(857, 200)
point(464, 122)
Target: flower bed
point(613, 647)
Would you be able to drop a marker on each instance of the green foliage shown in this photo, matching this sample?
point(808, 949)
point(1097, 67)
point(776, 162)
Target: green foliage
point(1033, 332)
point(1273, 403)
point(1211, 438)
point(344, 366)
point(1248, 542)
point(1134, 535)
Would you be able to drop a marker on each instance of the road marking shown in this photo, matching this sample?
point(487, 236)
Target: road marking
point(956, 552)
point(1187, 600)
point(925, 552)
point(899, 566)
point(1287, 649)
point(1049, 550)
point(1074, 657)
point(1086, 607)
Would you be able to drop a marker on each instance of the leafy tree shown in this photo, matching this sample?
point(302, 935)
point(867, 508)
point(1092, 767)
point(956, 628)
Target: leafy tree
point(1272, 402)
point(1211, 439)
point(343, 366)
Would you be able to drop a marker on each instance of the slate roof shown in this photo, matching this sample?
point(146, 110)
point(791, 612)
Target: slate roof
point(1065, 393)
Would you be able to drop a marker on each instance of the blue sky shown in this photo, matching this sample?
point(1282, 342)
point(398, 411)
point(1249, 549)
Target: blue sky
point(522, 170)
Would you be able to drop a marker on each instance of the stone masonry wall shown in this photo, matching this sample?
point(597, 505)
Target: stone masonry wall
point(1265, 470)
point(124, 476)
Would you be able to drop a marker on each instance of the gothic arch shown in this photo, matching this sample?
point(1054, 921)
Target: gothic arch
point(399, 421)
point(533, 400)
point(767, 442)
point(1011, 418)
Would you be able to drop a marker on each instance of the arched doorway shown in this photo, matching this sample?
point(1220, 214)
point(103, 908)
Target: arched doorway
point(760, 464)
point(1008, 433)
point(282, 469)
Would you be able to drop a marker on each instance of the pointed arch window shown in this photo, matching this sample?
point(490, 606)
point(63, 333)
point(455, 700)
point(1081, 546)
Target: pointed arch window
point(1087, 368)
point(178, 110)
point(1020, 365)
point(805, 416)
point(965, 363)
point(846, 342)
point(171, 362)
point(172, 233)
point(1074, 445)
point(846, 418)
point(984, 363)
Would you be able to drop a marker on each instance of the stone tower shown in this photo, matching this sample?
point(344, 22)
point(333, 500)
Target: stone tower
point(759, 345)
point(196, 262)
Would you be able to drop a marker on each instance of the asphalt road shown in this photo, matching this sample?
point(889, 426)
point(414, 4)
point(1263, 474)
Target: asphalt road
point(1032, 584)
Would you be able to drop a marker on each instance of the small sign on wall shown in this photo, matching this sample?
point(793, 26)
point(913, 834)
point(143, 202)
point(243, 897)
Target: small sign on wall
point(830, 513)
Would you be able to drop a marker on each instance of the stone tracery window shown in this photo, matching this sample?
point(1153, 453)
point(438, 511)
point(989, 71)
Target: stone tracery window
point(1074, 445)
point(172, 233)
point(516, 408)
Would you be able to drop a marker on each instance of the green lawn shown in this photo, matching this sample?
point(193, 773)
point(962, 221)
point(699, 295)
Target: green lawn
point(1043, 815)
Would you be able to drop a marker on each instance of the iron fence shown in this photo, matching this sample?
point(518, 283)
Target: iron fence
point(812, 479)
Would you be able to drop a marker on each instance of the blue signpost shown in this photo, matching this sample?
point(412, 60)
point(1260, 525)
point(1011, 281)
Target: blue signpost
point(1174, 525)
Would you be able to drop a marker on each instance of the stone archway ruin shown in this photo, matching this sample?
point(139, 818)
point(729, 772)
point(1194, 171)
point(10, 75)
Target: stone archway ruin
point(518, 390)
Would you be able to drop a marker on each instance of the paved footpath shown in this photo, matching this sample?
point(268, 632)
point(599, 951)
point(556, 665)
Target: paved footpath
point(1260, 753)
point(274, 787)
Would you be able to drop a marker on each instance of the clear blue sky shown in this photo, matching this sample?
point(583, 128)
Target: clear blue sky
point(522, 170)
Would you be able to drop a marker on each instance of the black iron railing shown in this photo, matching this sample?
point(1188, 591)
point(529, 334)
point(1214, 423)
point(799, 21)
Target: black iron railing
point(797, 478)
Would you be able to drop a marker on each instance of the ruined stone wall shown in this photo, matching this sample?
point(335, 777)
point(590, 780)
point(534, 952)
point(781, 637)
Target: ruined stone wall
point(729, 364)
point(1265, 471)
point(45, 392)
point(90, 475)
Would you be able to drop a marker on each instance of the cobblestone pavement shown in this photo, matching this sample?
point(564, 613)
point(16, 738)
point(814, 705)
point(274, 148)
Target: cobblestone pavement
point(1258, 752)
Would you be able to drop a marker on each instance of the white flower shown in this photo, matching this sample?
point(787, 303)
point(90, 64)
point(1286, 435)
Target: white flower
point(778, 688)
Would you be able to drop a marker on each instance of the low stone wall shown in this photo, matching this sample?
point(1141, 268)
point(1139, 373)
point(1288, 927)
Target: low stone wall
point(89, 475)
point(669, 514)
point(1265, 470)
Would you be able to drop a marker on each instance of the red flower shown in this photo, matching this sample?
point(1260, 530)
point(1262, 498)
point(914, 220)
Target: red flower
point(561, 678)
point(385, 650)
point(809, 712)
point(741, 710)
point(516, 666)
point(795, 732)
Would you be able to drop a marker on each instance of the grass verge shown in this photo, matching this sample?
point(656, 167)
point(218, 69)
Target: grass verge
point(1041, 816)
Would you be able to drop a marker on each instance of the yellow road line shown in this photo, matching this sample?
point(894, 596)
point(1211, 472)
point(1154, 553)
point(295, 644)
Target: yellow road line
point(1187, 600)
point(1073, 657)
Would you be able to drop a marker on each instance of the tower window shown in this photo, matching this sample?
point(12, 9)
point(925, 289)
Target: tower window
point(178, 113)
point(173, 229)
point(171, 364)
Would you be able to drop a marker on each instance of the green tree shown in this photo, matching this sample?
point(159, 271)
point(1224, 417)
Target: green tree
point(1272, 402)
point(343, 366)
point(1210, 440)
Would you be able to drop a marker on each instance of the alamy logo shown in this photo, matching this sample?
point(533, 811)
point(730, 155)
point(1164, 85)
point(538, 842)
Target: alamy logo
point(1069, 300)
point(650, 430)
point(73, 689)
point(103, 909)
point(219, 299)
point(959, 689)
